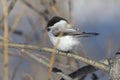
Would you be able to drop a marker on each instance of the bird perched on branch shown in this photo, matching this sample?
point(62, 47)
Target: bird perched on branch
point(59, 30)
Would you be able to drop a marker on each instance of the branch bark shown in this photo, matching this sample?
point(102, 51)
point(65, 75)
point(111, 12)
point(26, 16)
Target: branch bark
point(112, 67)
point(115, 67)
point(5, 43)
point(96, 64)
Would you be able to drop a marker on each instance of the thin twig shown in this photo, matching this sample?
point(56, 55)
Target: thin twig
point(15, 24)
point(54, 53)
point(6, 60)
point(12, 5)
point(70, 11)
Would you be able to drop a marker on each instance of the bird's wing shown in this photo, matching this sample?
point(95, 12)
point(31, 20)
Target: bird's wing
point(72, 32)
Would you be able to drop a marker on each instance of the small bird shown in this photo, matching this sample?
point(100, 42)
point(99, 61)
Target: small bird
point(70, 36)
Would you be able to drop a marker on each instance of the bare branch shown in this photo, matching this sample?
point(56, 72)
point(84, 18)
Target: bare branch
point(72, 55)
point(11, 6)
point(54, 69)
point(40, 13)
point(115, 67)
point(17, 68)
point(5, 44)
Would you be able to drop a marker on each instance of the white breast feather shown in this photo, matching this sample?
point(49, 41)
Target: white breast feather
point(66, 43)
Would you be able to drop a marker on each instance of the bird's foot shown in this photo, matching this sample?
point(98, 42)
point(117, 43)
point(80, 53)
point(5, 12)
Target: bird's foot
point(64, 51)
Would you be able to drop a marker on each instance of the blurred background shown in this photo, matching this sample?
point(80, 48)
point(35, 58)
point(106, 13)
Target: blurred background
point(28, 19)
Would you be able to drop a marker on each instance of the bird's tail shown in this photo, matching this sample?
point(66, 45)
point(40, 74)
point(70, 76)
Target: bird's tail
point(84, 34)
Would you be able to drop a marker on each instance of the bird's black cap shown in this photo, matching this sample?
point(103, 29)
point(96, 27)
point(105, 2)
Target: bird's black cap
point(54, 20)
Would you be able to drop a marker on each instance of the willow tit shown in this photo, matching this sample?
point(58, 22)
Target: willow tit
point(70, 36)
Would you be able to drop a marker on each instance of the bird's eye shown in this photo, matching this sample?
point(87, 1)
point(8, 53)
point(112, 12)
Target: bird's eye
point(48, 29)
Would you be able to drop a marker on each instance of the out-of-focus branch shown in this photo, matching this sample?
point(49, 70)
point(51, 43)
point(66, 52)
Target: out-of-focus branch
point(70, 11)
point(53, 55)
point(39, 12)
point(11, 6)
point(16, 69)
point(53, 7)
point(114, 63)
point(72, 55)
point(54, 69)
point(16, 22)
point(5, 43)
point(27, 77)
